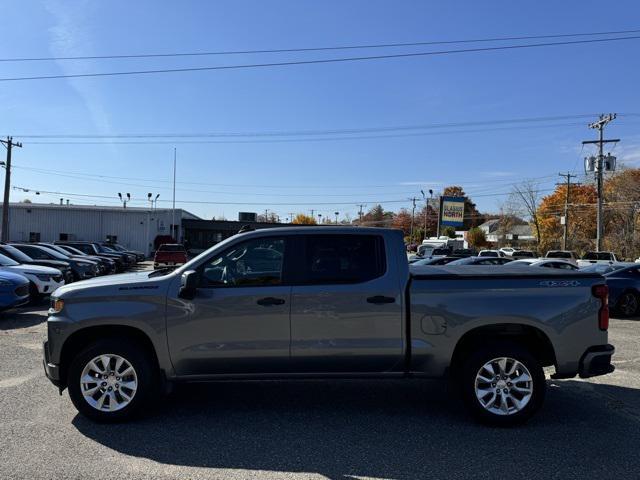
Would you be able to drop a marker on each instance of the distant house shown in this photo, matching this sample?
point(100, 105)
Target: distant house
point(519, 232)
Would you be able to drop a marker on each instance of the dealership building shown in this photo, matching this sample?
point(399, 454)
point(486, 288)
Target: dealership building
point(132, 227)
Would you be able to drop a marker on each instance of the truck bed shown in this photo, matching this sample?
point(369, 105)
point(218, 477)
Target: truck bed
point(448, 302)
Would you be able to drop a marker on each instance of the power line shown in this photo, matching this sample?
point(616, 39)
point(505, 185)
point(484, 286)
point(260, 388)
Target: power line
point(312, 49)
point(314, 62)
point(334, 131)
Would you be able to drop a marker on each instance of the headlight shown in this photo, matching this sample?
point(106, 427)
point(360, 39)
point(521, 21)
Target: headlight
point(57, 305)
point(43, 277)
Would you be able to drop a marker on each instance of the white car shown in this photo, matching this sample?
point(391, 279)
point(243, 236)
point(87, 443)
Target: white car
point(508, 251)
point(546, 263)
point(491, 253)
point(567, 255)
point(43, 279)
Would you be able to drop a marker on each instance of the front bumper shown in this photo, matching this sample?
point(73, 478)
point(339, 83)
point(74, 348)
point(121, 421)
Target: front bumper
point(51, 370)
point(596, 361)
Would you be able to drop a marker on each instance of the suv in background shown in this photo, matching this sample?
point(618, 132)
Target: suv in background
point(94, 248)
point(170, 255)
point(567, 255)
point(140, 256)
point(491, 253)
point(82, 269)
point(14, 254)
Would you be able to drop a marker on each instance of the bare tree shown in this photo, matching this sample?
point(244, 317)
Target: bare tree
point(525, 198)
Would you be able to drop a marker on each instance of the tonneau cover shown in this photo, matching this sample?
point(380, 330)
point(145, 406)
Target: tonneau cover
point(495, 271)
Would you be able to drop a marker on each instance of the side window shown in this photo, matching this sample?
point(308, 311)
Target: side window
point(343, 259)
point(254, 262)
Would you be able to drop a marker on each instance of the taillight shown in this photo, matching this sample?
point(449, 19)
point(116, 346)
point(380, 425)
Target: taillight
point(602, 292)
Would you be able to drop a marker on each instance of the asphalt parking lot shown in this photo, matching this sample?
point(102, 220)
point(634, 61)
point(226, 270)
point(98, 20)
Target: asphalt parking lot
point(322, 429)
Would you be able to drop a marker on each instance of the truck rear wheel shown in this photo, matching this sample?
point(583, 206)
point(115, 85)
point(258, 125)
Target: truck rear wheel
point(502, 385)
point(111, 379)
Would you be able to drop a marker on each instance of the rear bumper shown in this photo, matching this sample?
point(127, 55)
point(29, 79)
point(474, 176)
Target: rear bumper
point(596, 361)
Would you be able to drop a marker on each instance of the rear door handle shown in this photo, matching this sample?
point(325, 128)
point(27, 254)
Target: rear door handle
point(381, 299)
point(268, 301)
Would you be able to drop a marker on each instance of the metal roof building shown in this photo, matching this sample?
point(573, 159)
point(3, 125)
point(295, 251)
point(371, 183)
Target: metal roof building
point(133, 227)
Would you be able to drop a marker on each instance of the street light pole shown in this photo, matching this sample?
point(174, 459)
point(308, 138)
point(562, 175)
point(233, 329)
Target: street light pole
point(336, 213)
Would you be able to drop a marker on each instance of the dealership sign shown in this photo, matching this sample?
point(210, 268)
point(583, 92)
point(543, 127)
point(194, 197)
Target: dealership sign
point(452, 211)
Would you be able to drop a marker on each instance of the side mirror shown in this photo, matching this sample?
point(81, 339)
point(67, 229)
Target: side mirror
point(188, 285)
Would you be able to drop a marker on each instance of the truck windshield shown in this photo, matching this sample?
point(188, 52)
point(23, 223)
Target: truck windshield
point(559, 255)
point(597, 256)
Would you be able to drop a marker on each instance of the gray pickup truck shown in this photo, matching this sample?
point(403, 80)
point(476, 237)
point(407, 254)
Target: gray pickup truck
point(319, 302)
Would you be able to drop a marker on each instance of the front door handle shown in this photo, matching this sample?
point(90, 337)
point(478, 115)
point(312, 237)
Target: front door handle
point(381, 299)
point(268, 301)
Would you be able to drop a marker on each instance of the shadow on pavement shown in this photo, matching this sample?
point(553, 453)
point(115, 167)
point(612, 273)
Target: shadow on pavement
point(24, 317)
point(388, 429)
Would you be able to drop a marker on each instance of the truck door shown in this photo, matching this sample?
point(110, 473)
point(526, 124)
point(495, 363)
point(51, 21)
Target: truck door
point(238, 321)
point(346, 305)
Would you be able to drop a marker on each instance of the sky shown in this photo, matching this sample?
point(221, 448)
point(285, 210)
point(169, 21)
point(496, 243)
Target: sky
point(326, 173)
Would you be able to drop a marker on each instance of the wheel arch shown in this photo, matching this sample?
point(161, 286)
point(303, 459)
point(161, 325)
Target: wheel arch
point(81, 338)
point(535, 340)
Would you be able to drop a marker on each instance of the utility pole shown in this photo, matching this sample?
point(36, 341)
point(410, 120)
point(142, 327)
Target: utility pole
point(565, 232)
point(360, 214)
point(290, 217)
point(8, 143)
point(312, 212)
point(413, 214)
point(173, 209)
point(599, 125)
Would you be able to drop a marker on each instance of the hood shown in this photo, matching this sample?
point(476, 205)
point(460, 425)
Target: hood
point(59, 264)
point(111, 285)
point(32, 269)
point(13, 277)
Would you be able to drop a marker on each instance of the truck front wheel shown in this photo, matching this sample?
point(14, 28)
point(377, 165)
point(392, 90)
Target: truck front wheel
point(111, 379)
point(502, 385)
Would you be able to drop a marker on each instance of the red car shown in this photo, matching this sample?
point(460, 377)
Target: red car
point(170, 255)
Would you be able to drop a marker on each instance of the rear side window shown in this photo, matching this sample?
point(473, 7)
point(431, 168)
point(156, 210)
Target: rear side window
point(343, 259)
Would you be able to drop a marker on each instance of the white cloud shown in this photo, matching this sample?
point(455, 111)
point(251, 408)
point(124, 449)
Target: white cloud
point(70, 36)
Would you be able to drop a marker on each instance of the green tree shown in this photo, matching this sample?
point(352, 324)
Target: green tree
point(476, 237)
point(449, 232)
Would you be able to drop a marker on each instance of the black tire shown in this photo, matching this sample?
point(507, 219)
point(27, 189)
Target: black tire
point(471, 368)
point(628, 304)
point(145, 369)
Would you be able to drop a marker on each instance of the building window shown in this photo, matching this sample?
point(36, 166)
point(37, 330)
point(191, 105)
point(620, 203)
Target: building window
point(112, 239)
point(64, 237)
point(34, 237)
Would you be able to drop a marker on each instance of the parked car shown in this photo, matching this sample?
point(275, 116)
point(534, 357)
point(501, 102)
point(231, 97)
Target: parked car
point(42, 280)
point(567, 255)
point(523, 254)
point(122, 259)
point(169, 255)
point(463, 252)
point(508, 251)
point(436, 261)
point(129, 258)
point(248, 308)
point(484, 260)
point(491, 253)
point(140, 256)
point(14, 290)
point(624, 290)
point(105, 265)
point(21, 257)
point(113, 265)
point(607, 258)
point(82, 269)
point(546, 263)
